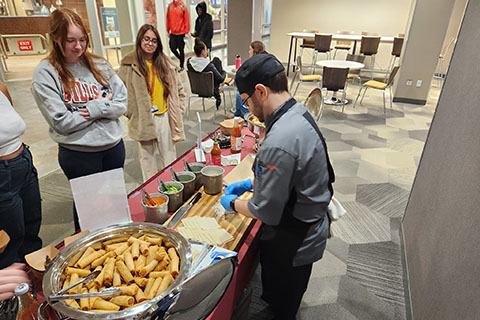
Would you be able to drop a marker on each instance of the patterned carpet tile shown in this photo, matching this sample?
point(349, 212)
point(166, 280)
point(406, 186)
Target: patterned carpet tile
point(361, 225)
point(361, 302)
point(378, 267)
point(384, 198)
point(420, 135)
point(365, 143)
point(328, 266)
point(371, 172)
point(325, 312)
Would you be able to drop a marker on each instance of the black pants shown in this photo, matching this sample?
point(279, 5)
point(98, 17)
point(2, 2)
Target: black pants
point(20, 207)
point(283, 289)
point(177, 45)
point(78, 164)
point(216, 91)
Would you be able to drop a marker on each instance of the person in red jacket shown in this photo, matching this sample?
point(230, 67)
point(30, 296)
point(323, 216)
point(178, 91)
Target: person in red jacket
point(178, 28)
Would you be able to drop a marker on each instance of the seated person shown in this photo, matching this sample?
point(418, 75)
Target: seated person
point(256, 47)
point(200, 63)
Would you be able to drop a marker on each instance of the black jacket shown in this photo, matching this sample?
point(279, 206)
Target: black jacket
point(204, 26)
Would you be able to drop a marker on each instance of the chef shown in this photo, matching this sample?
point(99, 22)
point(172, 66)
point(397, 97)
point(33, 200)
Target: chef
point(292, 185)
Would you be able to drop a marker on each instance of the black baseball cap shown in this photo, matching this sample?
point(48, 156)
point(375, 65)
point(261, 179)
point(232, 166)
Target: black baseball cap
point(258, 69)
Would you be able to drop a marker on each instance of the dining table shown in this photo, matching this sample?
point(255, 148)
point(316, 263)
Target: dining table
point(310, 35)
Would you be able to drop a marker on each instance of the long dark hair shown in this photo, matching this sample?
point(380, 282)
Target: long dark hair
point(159, 60)
point(59, 22)
point(199, 46)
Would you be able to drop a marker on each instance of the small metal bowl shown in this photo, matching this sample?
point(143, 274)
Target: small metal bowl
point(257, 129)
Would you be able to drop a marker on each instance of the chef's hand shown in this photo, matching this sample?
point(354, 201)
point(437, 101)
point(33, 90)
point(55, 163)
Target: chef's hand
point(10, 278)
point(226, 199)
point(240, 187)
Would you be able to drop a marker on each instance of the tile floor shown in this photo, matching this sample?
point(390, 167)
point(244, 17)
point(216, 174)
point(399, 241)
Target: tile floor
point(374, 155)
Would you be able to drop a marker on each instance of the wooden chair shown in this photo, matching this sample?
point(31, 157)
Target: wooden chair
point(308, 43)
point(441, 59)
point(302, 77)
point(369, 47)
point(322, 45)
point(396, 51)
point(314, 103)
point(201, 84)
point(342, 44)
point(355, 74)
point(335, 79)
point(379, 86)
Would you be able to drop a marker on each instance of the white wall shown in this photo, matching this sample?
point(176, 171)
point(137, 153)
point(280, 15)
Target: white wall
point(386, 17)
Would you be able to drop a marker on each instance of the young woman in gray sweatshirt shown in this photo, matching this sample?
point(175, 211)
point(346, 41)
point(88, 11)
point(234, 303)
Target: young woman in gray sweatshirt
point(82, 99)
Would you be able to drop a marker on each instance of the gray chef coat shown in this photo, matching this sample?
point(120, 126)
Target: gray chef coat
point(292, 157)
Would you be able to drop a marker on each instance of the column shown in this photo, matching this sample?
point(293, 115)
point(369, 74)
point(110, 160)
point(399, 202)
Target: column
point(424, 39)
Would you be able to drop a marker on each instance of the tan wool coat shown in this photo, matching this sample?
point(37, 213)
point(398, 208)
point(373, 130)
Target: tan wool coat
point(140, 123)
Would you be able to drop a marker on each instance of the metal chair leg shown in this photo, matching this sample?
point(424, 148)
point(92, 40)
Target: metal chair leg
point(224, 103)
point(203, 103)
point(389, 68)
point(373, 65)
point(391, 98)
point(361, 101)
point(188, 106)
point(314, 61)
point(335, 53)
point(344, 97)
point(384, 108)
point(358, 95)
point(296, 88)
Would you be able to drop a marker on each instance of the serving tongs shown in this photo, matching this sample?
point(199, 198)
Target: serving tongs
point(187, 165)
point(108, 292)
point(174, 174)
point(102, 293)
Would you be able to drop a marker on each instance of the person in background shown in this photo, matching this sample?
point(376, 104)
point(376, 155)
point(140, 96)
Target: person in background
point(204, 26)
point(156, 101)
point(10, 278)
point(201, 63)
point(256, 47)
point(82, 99)
point(292, 185)
point(20, 202)
point(178, 28)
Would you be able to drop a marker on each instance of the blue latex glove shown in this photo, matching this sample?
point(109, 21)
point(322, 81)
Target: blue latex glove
point(239, 187)
point(225, 201)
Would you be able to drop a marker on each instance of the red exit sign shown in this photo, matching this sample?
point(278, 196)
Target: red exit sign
point(25, 45)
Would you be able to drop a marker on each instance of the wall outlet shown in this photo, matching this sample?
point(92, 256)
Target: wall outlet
point(419, 83)
point(409, 82)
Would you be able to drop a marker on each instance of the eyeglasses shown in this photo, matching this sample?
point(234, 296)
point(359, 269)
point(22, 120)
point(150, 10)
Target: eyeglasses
point(245, 102)
point(147, 40)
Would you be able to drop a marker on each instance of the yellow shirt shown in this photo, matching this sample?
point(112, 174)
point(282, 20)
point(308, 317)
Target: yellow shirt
point(157, 97)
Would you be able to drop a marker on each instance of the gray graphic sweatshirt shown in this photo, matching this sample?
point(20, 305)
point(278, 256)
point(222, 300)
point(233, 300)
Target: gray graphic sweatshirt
point(67, 127)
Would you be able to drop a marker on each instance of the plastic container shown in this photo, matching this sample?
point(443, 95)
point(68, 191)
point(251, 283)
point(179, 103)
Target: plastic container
point(197, 170)
point(238, 61)
point(175, 199)
point(213, 179)
point(188, 180)
point(157, 214)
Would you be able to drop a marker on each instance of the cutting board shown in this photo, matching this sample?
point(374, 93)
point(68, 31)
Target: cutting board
point(236, 224)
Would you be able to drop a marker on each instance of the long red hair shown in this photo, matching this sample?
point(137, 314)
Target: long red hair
point(59, 22)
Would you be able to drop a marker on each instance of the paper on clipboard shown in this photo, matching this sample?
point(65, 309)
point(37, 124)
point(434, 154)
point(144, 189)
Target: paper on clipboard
point(101, 199)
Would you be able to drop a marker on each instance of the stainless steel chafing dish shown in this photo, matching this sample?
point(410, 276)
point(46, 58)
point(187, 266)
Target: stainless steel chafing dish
point(51, 280)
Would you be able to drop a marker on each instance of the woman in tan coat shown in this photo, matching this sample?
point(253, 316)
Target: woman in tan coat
point(156, 101)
